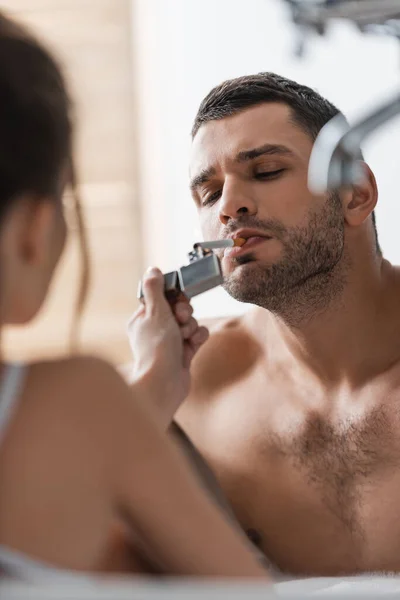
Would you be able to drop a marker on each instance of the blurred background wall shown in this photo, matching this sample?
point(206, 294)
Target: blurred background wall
point(139, 69)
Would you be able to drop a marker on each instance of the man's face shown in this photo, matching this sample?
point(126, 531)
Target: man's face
point(249, 179)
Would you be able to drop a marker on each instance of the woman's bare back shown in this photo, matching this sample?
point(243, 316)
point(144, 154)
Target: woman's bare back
point(87, 482)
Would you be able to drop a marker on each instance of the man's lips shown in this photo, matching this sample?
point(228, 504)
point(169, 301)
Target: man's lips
point(251, 242)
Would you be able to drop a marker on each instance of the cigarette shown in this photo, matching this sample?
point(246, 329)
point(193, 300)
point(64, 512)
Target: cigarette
point(228, 243)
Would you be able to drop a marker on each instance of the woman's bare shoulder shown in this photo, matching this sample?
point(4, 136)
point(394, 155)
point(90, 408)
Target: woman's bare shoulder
point(69, 394)
point(59, 446)
point(81, 375)
point(70, 369)
point(65, 419)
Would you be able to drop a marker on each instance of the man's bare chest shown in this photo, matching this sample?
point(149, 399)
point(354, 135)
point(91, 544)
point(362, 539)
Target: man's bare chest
point(319, 492)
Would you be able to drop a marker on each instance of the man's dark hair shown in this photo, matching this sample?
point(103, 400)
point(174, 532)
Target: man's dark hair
point(310, 110)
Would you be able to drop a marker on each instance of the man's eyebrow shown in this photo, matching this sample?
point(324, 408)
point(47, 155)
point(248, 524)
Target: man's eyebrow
point(270, 149)
point(201, 178)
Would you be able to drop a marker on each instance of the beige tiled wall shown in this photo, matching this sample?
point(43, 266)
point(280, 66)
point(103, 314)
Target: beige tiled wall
point(93, 39)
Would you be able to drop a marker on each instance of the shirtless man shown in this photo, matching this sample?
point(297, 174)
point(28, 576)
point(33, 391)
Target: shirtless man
point(295, 405)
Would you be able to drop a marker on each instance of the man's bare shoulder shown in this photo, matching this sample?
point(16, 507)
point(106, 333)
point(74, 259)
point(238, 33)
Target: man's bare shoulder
point(217, 323)
point(228, 354)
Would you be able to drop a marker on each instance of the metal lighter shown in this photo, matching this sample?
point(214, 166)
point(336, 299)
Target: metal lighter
point(201, 274)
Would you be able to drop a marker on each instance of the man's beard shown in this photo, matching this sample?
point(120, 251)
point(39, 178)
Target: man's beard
point(310, 274)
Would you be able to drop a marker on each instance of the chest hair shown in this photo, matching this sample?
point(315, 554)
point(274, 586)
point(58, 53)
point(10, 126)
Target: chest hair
point(341, 461)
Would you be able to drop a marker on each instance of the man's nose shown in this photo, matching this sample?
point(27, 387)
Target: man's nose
point(235, 202)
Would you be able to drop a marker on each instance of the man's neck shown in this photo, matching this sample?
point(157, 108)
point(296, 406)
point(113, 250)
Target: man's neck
point(351, 339)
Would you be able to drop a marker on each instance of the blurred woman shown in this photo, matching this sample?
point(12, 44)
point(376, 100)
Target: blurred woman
point(89, 483)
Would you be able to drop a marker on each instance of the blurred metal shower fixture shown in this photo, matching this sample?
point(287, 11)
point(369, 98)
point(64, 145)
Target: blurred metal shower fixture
point(336, 154)
point(335, 158)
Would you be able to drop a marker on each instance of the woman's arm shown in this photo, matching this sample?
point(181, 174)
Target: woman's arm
point(157, 494)
point(164, 340)
point(154, 487)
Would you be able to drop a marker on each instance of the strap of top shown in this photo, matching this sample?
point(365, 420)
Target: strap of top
point(10, 389)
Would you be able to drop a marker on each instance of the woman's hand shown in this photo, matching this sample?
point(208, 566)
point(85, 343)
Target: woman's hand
point(164, 341)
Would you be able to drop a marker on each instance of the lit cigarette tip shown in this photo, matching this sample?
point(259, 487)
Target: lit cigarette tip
point(239, 241)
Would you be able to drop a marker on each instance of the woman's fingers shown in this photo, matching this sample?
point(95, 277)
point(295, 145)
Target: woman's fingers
point(193, 344)
point(183, 311)
point(200, 336)
point(189, 329)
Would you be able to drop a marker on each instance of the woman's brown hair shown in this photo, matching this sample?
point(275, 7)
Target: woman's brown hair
point(36, 133)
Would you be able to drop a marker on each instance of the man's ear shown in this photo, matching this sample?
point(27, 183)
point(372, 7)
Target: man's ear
point(36, 229)
point(360, 201)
